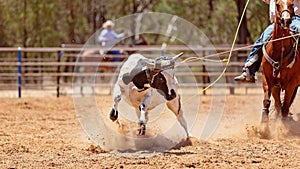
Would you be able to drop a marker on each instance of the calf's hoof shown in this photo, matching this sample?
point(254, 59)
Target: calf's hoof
point(142, 130)
point(113, 115)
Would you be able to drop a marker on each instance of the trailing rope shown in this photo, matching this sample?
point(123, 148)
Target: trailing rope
point(227, 60)
point(217, 54)
point(191, 59)
point(231, 50)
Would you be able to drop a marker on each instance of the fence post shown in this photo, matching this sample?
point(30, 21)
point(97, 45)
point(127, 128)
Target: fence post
point(59, 55)
point(19, 72)
point(204, 78)
point(230, 80)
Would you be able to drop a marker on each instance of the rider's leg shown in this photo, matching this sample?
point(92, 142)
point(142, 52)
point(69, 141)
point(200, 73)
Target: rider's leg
point(254, 58)
point(115, 52)
point(295, 25)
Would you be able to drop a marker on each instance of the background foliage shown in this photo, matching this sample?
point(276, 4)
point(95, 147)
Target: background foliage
point(53, 22)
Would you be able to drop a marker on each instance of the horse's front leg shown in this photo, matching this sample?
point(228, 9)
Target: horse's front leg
point(266, 101)
point(265, 131)
point(276, 95)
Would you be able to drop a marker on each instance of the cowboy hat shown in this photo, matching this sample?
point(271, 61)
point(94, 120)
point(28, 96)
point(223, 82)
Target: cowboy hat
point(108, 23)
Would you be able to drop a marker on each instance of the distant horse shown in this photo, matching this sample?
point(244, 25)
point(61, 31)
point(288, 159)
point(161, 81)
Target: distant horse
point(95, 56)
point(280, 64)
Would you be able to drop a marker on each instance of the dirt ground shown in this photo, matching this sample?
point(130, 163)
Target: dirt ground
point(45, 133)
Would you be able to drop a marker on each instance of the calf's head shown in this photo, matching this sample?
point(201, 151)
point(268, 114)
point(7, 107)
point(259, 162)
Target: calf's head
point(164, 83)
point(162, 80)
point(155, 78)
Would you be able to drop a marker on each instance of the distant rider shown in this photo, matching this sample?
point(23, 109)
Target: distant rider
point(108, 37)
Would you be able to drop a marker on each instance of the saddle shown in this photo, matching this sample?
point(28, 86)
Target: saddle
point(288, 59)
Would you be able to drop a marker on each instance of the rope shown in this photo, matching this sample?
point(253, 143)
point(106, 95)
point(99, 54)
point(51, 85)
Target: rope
point(227, 61)
point(190, 59)
point(217, 54)
point(231, 50)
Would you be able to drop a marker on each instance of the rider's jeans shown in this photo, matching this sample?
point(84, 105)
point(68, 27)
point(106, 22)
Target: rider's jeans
point(295, 25)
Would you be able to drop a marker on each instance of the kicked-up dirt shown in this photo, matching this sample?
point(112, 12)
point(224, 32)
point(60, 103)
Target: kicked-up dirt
point(45, 133)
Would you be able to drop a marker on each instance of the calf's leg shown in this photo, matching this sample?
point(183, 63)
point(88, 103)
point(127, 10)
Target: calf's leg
point(143, 115)
point(113, 115)
point(175, 106)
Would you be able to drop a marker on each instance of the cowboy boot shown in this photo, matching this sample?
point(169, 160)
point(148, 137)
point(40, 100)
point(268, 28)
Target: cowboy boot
point(250, 66)
point(245, 76)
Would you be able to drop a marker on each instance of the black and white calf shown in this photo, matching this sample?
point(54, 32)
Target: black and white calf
point(145, 87)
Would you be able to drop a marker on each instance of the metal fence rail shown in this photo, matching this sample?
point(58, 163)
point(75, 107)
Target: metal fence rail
point(53, 68)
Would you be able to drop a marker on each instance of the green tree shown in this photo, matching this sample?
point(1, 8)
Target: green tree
point(51, 23)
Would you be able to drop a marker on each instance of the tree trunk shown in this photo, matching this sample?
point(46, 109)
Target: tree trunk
point(71, 15)
point(243, 35)
point(25, 36)
point(103, 12)
point(211, 8)
point(94, 9)
point(25, 32)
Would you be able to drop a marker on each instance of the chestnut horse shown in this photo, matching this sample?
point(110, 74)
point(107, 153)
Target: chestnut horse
point(280, 64)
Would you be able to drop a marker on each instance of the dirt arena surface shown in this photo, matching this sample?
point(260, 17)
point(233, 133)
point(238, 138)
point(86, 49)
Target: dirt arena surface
point(45, 133)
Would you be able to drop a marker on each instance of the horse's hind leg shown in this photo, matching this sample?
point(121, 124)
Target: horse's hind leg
point(175, 106)
point(289, 96)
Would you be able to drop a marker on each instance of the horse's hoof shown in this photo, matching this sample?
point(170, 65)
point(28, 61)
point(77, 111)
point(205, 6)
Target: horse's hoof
point(287, 119)
point(265, 116)
point(265, 119)
point(113, 115)
point(265, 131)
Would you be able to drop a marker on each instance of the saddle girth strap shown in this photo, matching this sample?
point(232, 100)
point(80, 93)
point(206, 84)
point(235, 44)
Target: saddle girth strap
point(274, 64)
point(287, 60)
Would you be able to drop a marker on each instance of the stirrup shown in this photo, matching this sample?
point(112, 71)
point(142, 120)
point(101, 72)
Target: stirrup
point(243, 78)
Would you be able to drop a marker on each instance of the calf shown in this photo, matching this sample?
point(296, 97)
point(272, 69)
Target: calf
point(144, 87)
